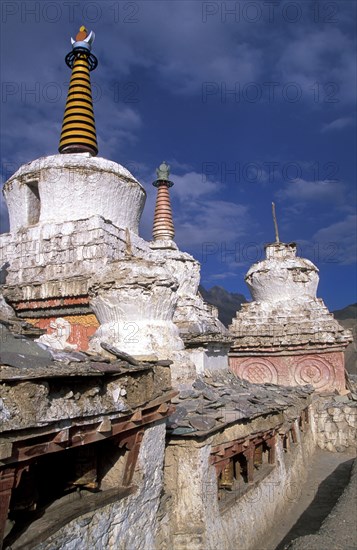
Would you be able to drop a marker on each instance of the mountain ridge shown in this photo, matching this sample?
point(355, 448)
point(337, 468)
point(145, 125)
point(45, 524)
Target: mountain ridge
point(228, 303)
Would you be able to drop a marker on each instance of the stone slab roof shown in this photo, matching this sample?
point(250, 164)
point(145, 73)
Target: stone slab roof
point(40, 386)
point(220, 398)
point(22, 358)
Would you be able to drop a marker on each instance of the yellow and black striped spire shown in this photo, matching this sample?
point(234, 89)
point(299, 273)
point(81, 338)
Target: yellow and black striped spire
point(78, 127)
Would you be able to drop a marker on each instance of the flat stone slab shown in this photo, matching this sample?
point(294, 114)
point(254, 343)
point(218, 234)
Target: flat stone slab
point(221, 398)
point(202, 422)
point(20, 352)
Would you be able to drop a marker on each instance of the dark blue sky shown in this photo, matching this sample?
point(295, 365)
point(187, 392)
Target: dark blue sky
point(249, 102)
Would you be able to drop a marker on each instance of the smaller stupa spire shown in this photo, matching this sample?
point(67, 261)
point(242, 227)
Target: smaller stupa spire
point(78, 127)
point(277, 240)
point(163, 223)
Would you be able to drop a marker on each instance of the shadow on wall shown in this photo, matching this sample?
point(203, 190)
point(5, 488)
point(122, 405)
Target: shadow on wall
point(4, 273)
point(347, 317)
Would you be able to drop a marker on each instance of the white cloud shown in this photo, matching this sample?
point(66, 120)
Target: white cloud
point(218, 222)
point(338, 241)
point(200, 218)
point(322, 62)
point(178, 165)
point(188, 73)
point(222, 276)
point(122, 125)
point(25, 140)
point(193, 185)
point(302, 190)
point(338, 124)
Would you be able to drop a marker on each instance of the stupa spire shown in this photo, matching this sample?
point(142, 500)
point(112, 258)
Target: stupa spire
point(277, 240)
point(78, 127)
point(163, 223)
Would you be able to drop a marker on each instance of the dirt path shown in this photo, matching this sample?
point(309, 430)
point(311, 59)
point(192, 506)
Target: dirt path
point(328, 476)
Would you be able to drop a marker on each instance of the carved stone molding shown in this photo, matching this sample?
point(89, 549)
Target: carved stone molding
point(315, 371)
point(258, 371)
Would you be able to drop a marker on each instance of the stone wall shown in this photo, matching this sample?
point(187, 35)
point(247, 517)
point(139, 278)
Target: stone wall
point(335, 420)
point(129, 523)
point(51, 257)
point(196, 519)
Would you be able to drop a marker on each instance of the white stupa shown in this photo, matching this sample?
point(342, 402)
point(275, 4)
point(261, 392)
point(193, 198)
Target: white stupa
point(286, 335)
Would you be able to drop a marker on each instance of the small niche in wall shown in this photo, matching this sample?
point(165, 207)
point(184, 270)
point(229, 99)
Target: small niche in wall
point(290, 439)
point(242, 470)
point(33, 202)
point(56, 488)
point(304, 420)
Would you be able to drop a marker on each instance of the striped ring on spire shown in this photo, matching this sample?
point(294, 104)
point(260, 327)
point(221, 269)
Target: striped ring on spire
point(78, 128)
point(163, 228)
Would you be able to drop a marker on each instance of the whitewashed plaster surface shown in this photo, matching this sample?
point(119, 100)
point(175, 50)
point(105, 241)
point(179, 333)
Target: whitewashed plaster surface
point(134, 301)
point(245, 523)
point(209, 359)
point(285, 310)
point(197, 522)
point(75, 187)
point(143, 298)
point(282, 276)
point(192, 315)
point(85, 241)
point(60, 251)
